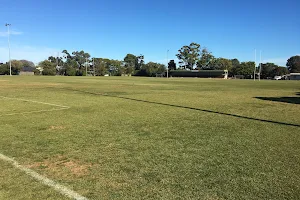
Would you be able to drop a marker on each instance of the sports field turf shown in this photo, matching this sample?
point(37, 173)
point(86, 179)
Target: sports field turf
point(150, 138)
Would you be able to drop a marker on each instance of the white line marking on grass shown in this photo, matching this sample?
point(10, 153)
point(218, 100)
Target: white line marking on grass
point(61, 107)
point(38, 111)
point(60, 188)
point(50, 104)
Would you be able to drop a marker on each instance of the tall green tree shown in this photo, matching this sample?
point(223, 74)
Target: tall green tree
point(151, 69)
point(101, 66)
point(49, 69)
point(246, 69)
point(206, 61)
point(133, 63)
point(172, 65)
point(223, 64)
point(188, 56)
point(279, 71)
point(267, 70)
point(57, 60)
point(235, 66)
point(16, 66)
point(139, 62)
point(293, 64)
point(27, 63)
point(77, 61)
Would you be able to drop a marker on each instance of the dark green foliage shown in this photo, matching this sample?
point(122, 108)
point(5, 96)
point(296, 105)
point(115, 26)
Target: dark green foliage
point(49, 69)
point(133, 63)
point(188, 56)
point(172, 65)
point(206, 61)
point(151, 69)
point(4, 69)
point(27, 63)
point(37, 72)
point(293, 64)
point(269, 70)
point(246, 69)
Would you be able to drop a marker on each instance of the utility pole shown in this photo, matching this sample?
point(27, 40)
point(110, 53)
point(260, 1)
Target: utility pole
point(94, 66)
point(167, 63)
point(255, 66)
point(8, 33)
point(86, 66)
point(259, 66)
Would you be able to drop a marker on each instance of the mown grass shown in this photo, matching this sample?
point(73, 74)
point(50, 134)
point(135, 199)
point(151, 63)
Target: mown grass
point(186, 139)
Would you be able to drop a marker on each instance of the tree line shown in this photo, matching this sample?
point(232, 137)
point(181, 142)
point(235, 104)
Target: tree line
point(190, 57)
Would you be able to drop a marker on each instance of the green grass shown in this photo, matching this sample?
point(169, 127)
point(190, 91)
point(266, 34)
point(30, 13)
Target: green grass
point(188, 138)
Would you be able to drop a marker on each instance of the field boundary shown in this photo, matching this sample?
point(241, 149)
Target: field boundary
point(60, 107)
point(44, 180)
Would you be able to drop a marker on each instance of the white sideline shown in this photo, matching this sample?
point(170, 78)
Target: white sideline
point(61, 107)
point(38, 111)
point(60, 188)
point(50, 104)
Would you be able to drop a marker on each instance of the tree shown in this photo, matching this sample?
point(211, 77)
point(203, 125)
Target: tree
point(172, 65)
point(223, 64)
point(4, 69)
point(76, 62)
point(293, 64)
point(281, 71)
point(130, 61)
point(151, 69)
point(57, 60)
point(246, 69)
point(27, 63)
point(101, 66)
point(116, 67)
point(268, 70)
point(70, 68)
point(16, 66)
point(189, 55)
point(139, 62)
point(235, 66)
point(235, 63)
point(206, 61)
point(49, 68)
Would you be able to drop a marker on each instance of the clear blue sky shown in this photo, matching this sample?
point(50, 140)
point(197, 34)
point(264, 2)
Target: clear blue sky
point(230, 29)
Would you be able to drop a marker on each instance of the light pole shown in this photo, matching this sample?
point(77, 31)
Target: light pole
point(8, 25)
point(86, 60)
point(255, 66)
point(167, 63)
point(260, 66)
point(94, 66)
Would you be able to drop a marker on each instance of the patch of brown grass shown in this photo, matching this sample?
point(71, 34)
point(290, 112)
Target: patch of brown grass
point(57, 128)
point(62, 167)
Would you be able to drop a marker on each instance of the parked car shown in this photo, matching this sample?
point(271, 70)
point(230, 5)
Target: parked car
point(277, 78)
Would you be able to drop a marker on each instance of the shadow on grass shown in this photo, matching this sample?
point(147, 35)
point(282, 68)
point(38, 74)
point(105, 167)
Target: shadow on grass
point(186, 107)
point(292, 100)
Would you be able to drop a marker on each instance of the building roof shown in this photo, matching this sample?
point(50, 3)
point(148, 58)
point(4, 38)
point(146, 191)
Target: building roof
point(27, 69)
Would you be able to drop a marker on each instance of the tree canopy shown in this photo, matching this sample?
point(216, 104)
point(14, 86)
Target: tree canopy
point(188, 56)
point(293, 64)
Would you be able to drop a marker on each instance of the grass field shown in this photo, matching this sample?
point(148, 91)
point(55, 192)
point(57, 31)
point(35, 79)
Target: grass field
point(150, 138)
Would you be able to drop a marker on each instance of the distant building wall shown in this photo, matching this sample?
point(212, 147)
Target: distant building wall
point(26, 73)
point(294, 76)
point(199, 73)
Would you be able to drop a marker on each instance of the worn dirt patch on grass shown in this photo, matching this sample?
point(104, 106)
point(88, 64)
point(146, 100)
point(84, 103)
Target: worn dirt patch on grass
point(56, 128)
point(62, 166)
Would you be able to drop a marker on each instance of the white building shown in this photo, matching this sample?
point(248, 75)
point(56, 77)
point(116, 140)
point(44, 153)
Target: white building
point(294, 76)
